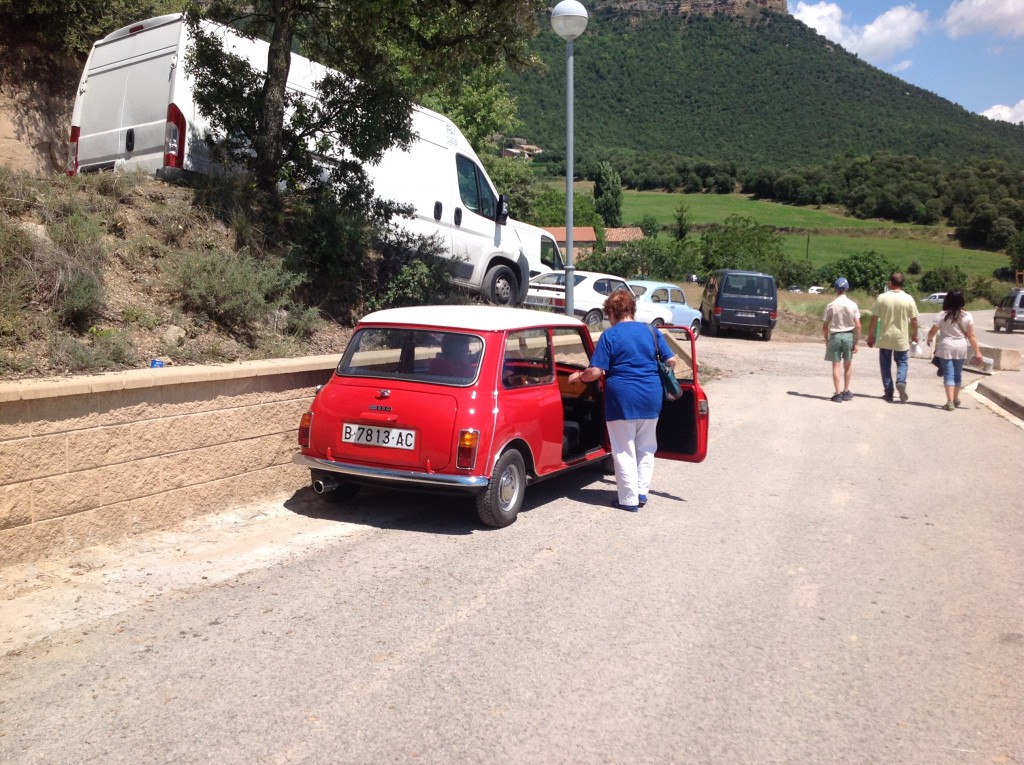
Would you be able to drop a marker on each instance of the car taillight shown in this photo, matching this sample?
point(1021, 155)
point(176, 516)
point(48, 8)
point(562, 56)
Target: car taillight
point(774, 315)
point(465, 458)
point(718, 310)
point(305, 424)
point(72, 166)
point(174, 138)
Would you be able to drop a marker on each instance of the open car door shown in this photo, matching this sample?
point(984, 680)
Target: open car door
point(683, 424)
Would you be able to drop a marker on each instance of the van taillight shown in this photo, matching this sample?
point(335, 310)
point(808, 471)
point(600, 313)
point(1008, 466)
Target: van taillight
point(305, 424)
point(72, 166)
point(174, 138)
point(718, 310)
point(774, 315)
point(465, 457)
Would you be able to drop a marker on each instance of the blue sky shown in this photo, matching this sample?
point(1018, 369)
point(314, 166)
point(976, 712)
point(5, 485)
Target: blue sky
point(970, 52)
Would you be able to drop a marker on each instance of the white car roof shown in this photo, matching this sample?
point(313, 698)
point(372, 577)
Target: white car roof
point(478, 317)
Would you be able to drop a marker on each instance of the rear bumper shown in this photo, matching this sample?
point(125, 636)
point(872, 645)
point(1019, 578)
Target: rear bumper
point(398, 479)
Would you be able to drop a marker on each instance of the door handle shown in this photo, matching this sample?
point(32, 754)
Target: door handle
point(437, 211)
point(129, 140)
point(458, 216)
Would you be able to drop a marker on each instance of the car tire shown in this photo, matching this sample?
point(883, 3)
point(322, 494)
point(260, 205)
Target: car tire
point(766, 335)
point(499, 505)
point(594, 319)
point(500, 286)
point(695, 328)
point(657, 323)
point(995, 326)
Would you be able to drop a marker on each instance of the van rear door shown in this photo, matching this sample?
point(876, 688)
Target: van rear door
point(121, 109)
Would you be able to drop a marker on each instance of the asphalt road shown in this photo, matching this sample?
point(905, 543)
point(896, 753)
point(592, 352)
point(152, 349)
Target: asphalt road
point(835, 583)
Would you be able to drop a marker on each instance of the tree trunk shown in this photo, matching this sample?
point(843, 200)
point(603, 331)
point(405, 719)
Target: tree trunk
point(268, 140)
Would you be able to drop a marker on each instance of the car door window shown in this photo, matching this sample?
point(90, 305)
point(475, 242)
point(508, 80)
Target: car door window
point(474, 190)
point(527, 359)
point(677, 296)
point(659, 296)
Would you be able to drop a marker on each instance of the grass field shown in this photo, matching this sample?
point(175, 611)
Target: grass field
point(817, 234)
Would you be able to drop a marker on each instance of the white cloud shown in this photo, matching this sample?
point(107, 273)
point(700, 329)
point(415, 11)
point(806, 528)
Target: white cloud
point(1013, 114)
point(903, 66)
point(1004, 18)
point(879, 42)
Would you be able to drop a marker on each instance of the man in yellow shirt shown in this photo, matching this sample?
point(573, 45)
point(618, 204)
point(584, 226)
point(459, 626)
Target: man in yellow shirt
point(895, 312)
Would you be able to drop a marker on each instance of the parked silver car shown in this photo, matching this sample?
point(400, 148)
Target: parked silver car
point(1009, 313)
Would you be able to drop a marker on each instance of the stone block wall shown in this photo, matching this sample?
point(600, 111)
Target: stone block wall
point(97, 459)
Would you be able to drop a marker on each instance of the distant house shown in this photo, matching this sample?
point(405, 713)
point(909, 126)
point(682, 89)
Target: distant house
point(616, 237)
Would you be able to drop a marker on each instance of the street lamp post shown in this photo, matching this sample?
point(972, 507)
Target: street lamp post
point(569, 20)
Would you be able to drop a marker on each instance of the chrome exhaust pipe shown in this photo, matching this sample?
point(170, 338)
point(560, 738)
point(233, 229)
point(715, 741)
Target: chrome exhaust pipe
point(323, 485)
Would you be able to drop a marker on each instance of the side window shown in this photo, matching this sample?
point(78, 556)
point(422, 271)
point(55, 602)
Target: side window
point(527, 359)
point(467, 183)
point(659, 296)
point(570, 351)
point(476, 194)
point(549, 254)
point(677, 296)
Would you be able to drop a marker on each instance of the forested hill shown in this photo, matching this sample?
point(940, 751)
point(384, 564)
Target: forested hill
point(765, 90)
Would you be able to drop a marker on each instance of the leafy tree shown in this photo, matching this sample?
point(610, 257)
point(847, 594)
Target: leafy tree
point(389, 52)
point(867, 271)
point(742, 243)
point(549, 210)
point(72, 26)
point(608, 195)
point(1015, 249)
point(944, 279)
point(650, 226)
point(683, 222)
point(649, 258)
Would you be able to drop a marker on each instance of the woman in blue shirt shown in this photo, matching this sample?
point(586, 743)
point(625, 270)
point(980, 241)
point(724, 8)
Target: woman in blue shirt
point(633, 395)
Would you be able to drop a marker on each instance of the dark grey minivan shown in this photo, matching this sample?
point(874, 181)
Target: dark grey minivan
point(746, 300)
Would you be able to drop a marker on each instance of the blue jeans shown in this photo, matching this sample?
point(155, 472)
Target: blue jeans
point(885, 357)
point(952, 372)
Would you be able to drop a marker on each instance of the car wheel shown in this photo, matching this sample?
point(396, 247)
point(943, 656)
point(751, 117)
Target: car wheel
point(594, 319)
point(766, 335)
point(657, 323)
point(499, 505)
point(695, 328)
point(501, 287)
point(995, 326)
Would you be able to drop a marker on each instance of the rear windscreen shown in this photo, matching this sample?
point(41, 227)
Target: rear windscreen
point(749, 285)
point(449, 358)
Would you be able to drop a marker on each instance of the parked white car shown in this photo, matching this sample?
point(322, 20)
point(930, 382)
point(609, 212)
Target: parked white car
point(935, 297)
point(590, 290)
point(815, 290)
point(670, 296)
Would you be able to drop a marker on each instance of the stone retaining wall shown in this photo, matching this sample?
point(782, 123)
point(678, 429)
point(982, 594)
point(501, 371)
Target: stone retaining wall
point(97, 459)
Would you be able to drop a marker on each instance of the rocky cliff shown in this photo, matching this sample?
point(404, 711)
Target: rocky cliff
point(678, 7)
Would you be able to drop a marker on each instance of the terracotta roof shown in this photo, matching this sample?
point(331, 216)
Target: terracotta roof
point(579, 233)
point(630, 234)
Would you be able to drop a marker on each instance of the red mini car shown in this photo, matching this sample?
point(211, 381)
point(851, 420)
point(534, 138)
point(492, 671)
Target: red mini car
point(471, 400)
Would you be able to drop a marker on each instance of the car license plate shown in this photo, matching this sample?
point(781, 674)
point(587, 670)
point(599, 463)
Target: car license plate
point(745, 314)
point(371, 435)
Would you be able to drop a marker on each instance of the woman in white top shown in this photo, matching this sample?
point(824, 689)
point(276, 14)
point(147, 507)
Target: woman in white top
point(957, 328)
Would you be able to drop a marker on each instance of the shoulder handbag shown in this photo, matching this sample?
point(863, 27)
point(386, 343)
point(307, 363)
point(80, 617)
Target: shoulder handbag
point(669, 383)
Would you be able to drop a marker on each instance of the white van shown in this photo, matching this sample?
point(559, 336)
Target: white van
point(134, 110)
point(540, 248)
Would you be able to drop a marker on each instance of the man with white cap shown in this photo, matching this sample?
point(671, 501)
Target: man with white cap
point(841, 328)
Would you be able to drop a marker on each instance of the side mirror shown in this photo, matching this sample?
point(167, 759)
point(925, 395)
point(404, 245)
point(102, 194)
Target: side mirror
point(502, 215)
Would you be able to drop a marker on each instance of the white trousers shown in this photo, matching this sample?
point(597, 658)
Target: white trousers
point(634, 443)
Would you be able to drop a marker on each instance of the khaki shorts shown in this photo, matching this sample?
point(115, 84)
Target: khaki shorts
point(840, 347)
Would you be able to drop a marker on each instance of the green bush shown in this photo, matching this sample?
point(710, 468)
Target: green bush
point(944, 279)
point(302, 321)
point(79, 299)
point(105, 349)
point(235, 290)
point(16, 278)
